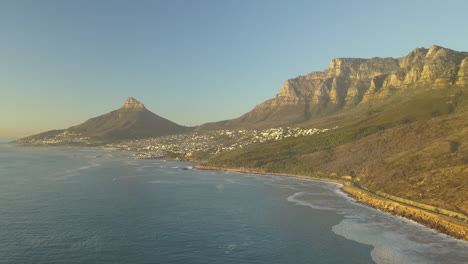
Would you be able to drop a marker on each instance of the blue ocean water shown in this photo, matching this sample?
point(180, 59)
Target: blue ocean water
point(89, 205)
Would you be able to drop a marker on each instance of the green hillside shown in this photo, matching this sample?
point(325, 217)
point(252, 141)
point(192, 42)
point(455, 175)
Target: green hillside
point(414, 146)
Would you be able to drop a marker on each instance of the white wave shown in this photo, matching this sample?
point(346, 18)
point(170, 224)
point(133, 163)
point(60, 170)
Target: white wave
point(67, 175)
point(88, 243)
point(337, 191)
point(89, 166)
point(144, 167)
point(295, 199)
point(70, 173)
point(396, 239)
point(403, 245)
point(164, 182)
point(385, 249)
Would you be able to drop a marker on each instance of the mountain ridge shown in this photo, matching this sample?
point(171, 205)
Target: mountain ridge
point(349, 90)
point(351, 82)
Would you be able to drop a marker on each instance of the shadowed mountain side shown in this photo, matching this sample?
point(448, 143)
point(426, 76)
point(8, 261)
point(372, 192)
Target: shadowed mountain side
point(265, 115)
point(132, 120)
point(351, 83)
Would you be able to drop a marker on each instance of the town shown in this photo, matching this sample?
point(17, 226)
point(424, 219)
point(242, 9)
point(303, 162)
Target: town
point(193, 145)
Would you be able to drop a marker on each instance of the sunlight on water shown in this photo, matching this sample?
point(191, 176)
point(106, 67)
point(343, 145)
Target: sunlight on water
point(89, 206)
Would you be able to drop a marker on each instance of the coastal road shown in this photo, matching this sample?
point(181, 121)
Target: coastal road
point(357, 185)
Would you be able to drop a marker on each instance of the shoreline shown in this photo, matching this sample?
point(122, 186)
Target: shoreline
point(443, 224)
point(255, 171)
point(446, 225)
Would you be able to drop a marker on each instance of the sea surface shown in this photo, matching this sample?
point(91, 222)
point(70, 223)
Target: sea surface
point(89, 205)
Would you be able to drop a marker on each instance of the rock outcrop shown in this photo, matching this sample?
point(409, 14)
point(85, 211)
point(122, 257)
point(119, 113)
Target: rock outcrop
point(349, 81)
point(133, 104)
point(443, 224)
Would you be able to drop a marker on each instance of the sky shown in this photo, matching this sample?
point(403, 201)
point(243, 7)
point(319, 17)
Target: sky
point(193, 61)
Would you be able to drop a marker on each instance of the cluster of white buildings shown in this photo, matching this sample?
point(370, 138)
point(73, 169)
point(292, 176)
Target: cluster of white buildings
point(63, 138)
point(185, 146)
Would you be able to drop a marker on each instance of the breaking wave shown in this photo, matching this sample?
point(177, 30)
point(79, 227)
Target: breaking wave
point(395, 239)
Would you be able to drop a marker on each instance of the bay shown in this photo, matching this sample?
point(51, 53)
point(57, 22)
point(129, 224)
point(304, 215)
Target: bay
point(89, 205)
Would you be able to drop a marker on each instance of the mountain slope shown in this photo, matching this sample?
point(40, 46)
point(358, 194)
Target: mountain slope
point(130, 121)
point(353, 83)
point(402, 126)
point(425, 161)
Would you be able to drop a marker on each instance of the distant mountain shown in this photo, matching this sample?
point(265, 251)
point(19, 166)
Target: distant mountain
point(353, 83)
point(130, 121)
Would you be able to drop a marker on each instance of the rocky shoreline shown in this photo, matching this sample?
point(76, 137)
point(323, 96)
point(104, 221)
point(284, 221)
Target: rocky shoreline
point(443, 224)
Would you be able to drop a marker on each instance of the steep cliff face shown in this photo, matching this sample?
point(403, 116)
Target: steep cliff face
point(462, 76)
point(352, 81)
point(369, 79)
point(349, 82)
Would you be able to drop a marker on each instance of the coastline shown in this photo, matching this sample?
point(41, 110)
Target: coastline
point(255, 171)
point(443, 224)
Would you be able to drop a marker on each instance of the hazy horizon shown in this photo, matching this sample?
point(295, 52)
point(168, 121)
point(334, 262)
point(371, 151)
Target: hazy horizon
point(191, 62)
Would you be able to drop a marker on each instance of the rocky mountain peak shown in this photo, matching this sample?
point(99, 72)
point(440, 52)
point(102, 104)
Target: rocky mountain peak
point(132, 103)
point(433, 49)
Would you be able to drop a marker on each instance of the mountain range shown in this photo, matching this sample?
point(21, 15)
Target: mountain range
point(400, 126)
point(386, 91)
point(354, 83)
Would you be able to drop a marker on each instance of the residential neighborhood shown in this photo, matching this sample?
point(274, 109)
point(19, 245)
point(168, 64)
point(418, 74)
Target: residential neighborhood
point(185, 146)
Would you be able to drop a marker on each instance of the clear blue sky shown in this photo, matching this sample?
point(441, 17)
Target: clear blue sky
point(62, 62)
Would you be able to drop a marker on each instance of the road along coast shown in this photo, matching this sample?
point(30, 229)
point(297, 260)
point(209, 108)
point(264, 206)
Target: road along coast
point(448, 225)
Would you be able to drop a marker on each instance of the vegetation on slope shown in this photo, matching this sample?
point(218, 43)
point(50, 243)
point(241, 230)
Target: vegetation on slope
point(127, 123)
point(414, 147)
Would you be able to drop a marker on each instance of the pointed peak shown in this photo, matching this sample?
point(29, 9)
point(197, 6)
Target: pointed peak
point(434, 48)
point(132, 103)
point(419, 50)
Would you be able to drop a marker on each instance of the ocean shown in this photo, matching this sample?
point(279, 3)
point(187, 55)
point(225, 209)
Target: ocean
point(91, 205)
